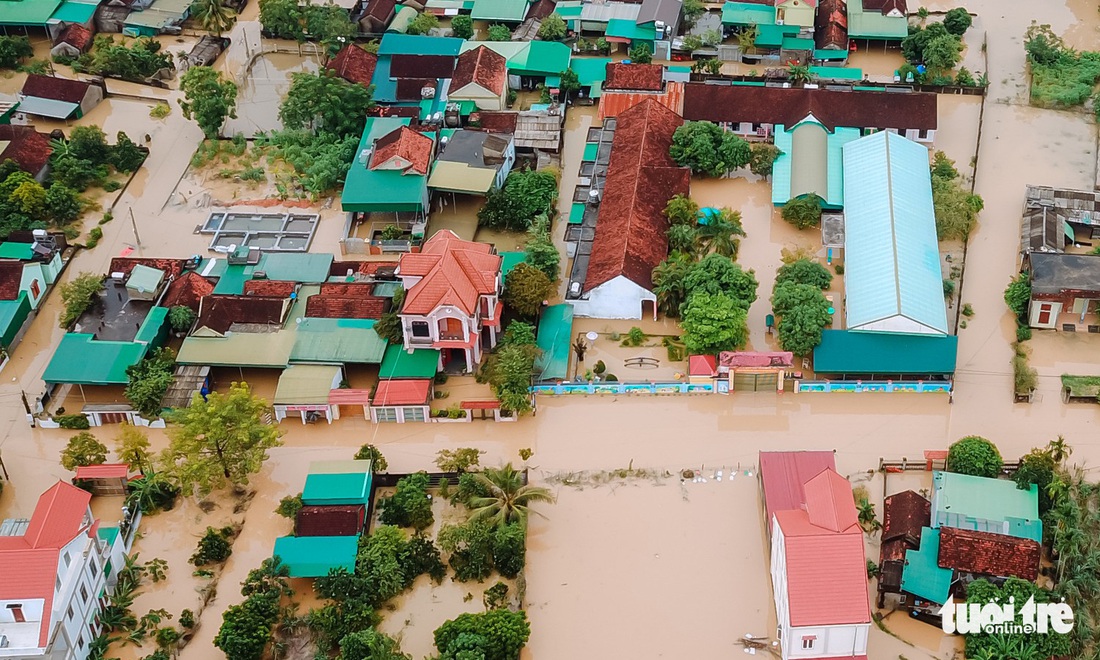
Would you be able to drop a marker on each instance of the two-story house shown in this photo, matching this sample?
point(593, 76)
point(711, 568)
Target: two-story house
point(452, 298)
point(54, 578)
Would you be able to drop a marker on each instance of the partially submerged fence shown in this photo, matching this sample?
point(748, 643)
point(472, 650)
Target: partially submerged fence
point(872, 386)
point(624, 388)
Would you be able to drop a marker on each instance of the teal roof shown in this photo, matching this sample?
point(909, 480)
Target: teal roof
point(511, 11)
point(554, 340)
point(333, 488)
point(342, 341)
point(836, 73)
point(43, 107)
point(151, 327)
point(315, 556)
point(367, 190)
point(811, 162)
point(569, 9)
point(13, 314)
point(892, 271)
point(576, 213)
point(848, 352)
point(985, 505)
point(591, 150)
point(399, 363)
point(873, 25)
point(108, 534)
point(73, 12)
point(80, 359)
point(27, 12)
point(795, 43)
point(509, 260)
point(830, 54)
point(772, 36)
point(409, 44)
point(625, 28)
point(231, 281)
point(540, 58)
point(591, 71)
point(922, 575)
point(295, 266)
point(747, 13)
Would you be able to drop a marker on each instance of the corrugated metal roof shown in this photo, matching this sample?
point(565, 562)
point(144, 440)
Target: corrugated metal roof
point(337, 488)
point(799, 170)
point(104, 471)
point(399, 363)
point(81, 359)
point(922, 575)
point(144, 279)
point(307, 384)
point(330, 520)
point(239, 349)
point(986, 505)
point(402, 392)
point(554, 340)
point(295, 267)
point(747, 13)
point(847, 352)
point(73, 12)
point(346, 341)
point(407, 44)
point(784, 474)
point(315, 556)
point(863, 24)
point(892, 272)
point(28, 12)
point(34, 105)
point(461, 178)
point(511, 11)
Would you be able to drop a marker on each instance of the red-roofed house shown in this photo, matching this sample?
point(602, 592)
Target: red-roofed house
point(452, 297)
point(819, 573)
point(404, 150)
point(402, 400)
point(480, 76)
point(354, 64)
point(28, 148)
point(55, 568)
point(630, 236)
point(783, 474)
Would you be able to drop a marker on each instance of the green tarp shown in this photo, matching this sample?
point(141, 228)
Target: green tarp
point(399, 363)
point(315, 556)
point(576, 213)
point(848, 352)
point(591, 150)
point(836, 73)
point(555, 330)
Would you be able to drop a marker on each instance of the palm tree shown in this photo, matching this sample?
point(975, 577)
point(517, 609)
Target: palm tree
point(668, 283)
point(1059, 450)
point(799, 73)
point(509, 498)
point(213, 16)
point(868, 520)
point(720, 232)
point(681, 238)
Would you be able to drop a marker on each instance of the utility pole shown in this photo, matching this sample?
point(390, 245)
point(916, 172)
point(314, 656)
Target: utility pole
point(134, 223)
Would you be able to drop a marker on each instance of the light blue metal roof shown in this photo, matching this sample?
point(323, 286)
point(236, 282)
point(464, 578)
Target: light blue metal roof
point(892, 271)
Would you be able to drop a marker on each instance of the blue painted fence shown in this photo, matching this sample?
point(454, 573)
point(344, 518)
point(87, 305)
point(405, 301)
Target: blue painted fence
point(623, 388)
point(872, 386)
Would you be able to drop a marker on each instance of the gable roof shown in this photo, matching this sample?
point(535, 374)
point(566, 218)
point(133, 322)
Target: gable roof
point(639, 77)
point(829, 501)
point(402, 149)
point(988, 505)
point(903, 515)
point(497, 121)
point(483, 67)
point(986, 553)
point(354, 64)
point(58, 89)
point(270, 288)
point(399, 392)
point(1052, 274)
point(170, 267)
point(452, 271)
point(422, 66)
point(11, 276)
point(187, 290)
point(784, 474)
point(58, 517)
point(27, 147)
point(220, 312)
point(831, 25)
point(641, 177)
point(345, 307)
point(77, 36)
point(788, 106)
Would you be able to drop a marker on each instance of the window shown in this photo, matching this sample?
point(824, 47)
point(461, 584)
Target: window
point(68, 560)
point(420, 329)
point(413, 414)
point(808, 641)
point(69, 614)
point(17, 612)
point(36, 290)
point(386, 414)
point(95, 570)
point(57, 584)
point(83, 593)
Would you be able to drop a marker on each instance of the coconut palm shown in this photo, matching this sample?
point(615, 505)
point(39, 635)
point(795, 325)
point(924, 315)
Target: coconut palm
point(668, 283)
point(213, 16)
point(720, 232)
point(509, 498)
point(1059, 450)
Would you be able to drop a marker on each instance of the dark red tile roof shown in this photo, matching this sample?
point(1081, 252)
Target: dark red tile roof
point(345, 307)
point(380, 10)
point(370, 268)
point(219, 312)
point(27, 147)
point(637, 77)
point(77, 36)
point(903, 515)
point(989, 554)
point(330, 520)
point(895, 550)
point(11, 275)
point(404, 145)
point(497, 122)
point(641, 178)
point(777, 105)
point(885, 6)
point(411, 89)
point(421, 66)
point(171, 267)
point(482, 66)
point(60, 89)
point(831, 25)
point(410, 111)
point(377, 267)
point(187, 290)
point(347, 289)
point(354, 64)
point(272, 288)
point(540, 9)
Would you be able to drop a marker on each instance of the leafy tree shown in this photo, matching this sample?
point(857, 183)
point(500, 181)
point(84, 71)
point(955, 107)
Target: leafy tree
point(181, 318)
point(221, 439)
point(942, 53)
point(152, 492)
point(83, 449)
point(956, 209)
point(135, 62)
point(681, 210)
point(132, 447)
point(499, 33)
point(976, 456)
point(718, 234)
point(540, 251)
point(716, 274)
point(803, 211)
point(640, 54)
point(370, 644)
point(804, 314)
point(943, 167)
point(957, 21)
point(29, 197)
point(208, 98)
point(682, 238)
point(330, 26)
point(553, 28)
point(713, 323)
point(1014, 644)
point(246, 628)
point(215, 546)
point(471, 548)
point(913, 46)
point(410, 505)
point(1018, 294)
point(693, 9)
point(62, 204)
point(510, 549)
point(965, 78)
point(149, 380)
point(509, 373)
point(13, 50)
point(322, 102)
point(524, 195)
point(125, 156)
point(568, 83)
point(78, 295)
point(493, 635)
point(462, 26)
point(76, 173)
point(804, 271)
point(423, 23)
point(213, 16)
point(670, 283)
point(283, 19)
point(374, 455)
point(799, 74)
point(708, 149)
point(517, 332)
point(1039, 468)
point(525, 289)
point(508, 498)
point(763, 158)
point(289, 506)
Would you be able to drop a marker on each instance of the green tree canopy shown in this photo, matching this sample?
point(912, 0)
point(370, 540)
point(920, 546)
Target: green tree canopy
point(78, 295)
point(374, 455)
point(370, 644)
point(540, 251)
point(499, 33)
point(708, 149)
point(713, 323)
point(508, 499)
point(462, 27)
point(1014, 644)
point(83, 449)
point(682, 238)
point(1037, 467)
point(553, 28)
point(322, 102)
point(283, 19)
point(957, 21)
point(213, 16)
point(670, 281)
point(525, 289)
point(493, 635)
point(63, 204)
point(140, 59)
point(804, 271)
point(942, 53)
point(524, 195)
point(681, 210)
point(976, 456)
point(13, 50)
point(208, 99)
point(640, 54)
point(1018, 295)
point(803, 211)
point(804, 314)
point(719, 233)
point(132, 447)
point(955, 207)
point(717, 274)
point(181, 318)
point(763, 158)
point(149, 380)
point(410, 505)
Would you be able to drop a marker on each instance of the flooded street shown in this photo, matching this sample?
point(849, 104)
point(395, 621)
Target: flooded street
point(263, 90)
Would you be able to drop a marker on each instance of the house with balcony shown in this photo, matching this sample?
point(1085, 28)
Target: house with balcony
point(58, 567)
point(452, 298)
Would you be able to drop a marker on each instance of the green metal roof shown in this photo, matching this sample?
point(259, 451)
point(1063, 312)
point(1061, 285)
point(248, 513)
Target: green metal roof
point(540, 58)
point(295, 267)
point(836, 73)
point(506, 49)
point(511, 11)
point(342, 341)
point(811, 161)
point(554, 340)
point(108, 534)
point(849, 352)
point(399, 363)
point(576, 213)
point(144, 279)
point(231, 281)
point(829, 54)
point(922, 575)
point(315, 556)
point(13, 313)
point(873, 25)
point(747, 13)
point(307, 384)
point(43, 107)
point(409, 44)
point(796, 43)
point(80, 359)
point(73, 12)
point(772, 36)
point(367, 190)
point(590, 151)
point(27, 12)
point(509, 260)
point(892, 276)
point(151, 328)
point(985, 505)
point(625, 28)
point(590, 70)
point(331, 488)
point(239, 349)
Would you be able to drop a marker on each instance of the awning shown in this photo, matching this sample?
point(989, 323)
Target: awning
point(1069, 232)
point(104, 471)
point(349, 397)
point(34, 105)
point(853, 352)
point(306, 384)
point(554, 340)
point(315, 556)
point(73, 12)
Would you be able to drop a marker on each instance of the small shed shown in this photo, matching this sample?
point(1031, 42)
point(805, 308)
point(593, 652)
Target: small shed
point(305, 388)
point(73, 41)
point(103, 479)
point(207, 50)
point(331, 520)
point(702, 369)
point(144, 283)
point(316, 556)
point(402, 400)
point(187, 381)
point(337, 489)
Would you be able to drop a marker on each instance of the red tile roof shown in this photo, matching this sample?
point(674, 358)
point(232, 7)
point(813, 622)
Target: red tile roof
point(187, 290)
point(11, 276)
point(27, 147)
point(740, 359)
point(403, 149)
point(486, 404)
point(77, 36)
point(777, 105)
point(375, 267)
point(271, 288)
point(60, 89)
point(412, 89)
point(220, 312)
point(354, 64)
point(380, 10)
point(452, 271)
point(989, 554)
point(348, 289)
point(702, 365)
point(903, 515)
point(349, 397)
point(482, 66)
point(496, 122)
point(58, 517)
point(125, 264)
point(344, 520)
point(784, 473)
point(421, 66)
point(831, 25)
point(641, 178)
point(636, 77)
point(540, 9)
point(402, 392)
point(612, 104)
point(829, 502)
point(103, 471)
point(345, 307)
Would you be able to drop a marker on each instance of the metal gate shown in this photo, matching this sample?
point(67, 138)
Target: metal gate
point(755, 382)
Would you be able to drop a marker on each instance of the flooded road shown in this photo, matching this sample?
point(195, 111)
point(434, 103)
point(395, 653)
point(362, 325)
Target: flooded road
point(262, 91)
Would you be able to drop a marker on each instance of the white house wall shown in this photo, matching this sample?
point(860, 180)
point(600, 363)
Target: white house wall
point(619, 298)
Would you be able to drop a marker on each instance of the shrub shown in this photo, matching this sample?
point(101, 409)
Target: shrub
point(423, 23)
point(372, 454)
point(1023, 333)
point(187, 619)
point(83, 449)
point(410, 505)
point(78, 295)
point(471, 548)
point(462, 26)
point(289, 506)
point(804, 211)
point(948, 288)
point(494, 635)
point(499, 33)
point(160, 111)
point(75, 421)
point(214, 547)
point(1018, 295)
point(957, 21)
point(463, 459)
point(804, 271)
point(181, 317)
point(974, 455)
point(509, 549)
